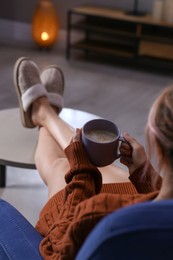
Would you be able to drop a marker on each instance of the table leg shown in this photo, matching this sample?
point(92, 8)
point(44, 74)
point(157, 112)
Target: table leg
point(2, 176)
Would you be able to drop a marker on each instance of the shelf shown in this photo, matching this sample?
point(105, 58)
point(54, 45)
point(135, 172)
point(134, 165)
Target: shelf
point(106, 48)
point(149, 38)
point(158, 34)
point(113, 13)
point(101, 26)
point(156, 49)
point(112, 33)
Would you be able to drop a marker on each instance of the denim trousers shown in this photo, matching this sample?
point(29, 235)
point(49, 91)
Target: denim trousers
point(19, 240)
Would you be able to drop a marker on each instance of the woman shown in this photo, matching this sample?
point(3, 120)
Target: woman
point(78, 199)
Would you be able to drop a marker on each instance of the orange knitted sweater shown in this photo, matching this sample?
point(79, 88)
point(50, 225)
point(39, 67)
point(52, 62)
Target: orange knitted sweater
point(72, 213)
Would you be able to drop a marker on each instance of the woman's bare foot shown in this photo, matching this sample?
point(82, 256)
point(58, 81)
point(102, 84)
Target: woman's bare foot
point(39, 111)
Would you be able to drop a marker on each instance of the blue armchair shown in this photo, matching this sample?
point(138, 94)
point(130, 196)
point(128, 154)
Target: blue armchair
point(142, 231)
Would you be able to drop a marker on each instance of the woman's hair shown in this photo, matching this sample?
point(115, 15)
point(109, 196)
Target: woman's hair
point(159, 130)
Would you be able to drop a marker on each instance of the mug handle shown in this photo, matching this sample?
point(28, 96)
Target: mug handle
point(122, 139)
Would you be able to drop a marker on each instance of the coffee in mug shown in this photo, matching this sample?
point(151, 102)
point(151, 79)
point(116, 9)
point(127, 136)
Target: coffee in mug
point(100, 136)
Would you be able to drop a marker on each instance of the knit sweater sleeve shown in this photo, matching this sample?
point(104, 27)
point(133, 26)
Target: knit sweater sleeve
point(146, 179)
point(83, 181)
point(79, 163)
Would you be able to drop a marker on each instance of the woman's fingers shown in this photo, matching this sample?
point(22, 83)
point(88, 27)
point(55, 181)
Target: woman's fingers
point(127, 161)
point(125, 149)
point(133, 143)
point(134, 155)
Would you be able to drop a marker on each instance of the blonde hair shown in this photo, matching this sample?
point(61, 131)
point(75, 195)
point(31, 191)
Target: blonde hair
point(159, 130)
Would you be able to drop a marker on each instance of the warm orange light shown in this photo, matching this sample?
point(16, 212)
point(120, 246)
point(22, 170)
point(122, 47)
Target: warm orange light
point(44, 36)
point(45, 26)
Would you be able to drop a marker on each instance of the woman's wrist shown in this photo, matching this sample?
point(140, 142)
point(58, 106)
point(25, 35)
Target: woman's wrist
point(138, 168)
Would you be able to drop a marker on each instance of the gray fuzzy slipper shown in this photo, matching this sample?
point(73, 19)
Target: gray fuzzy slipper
point(53, 80)
point(28, 87)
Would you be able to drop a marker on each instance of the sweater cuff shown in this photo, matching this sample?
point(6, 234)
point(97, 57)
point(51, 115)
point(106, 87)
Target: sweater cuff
point(140, 180)
point(136, 175)
point(79, 163)
point(146, 179)
point(77, 156)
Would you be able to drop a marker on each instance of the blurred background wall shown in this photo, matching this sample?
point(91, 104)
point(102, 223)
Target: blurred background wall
point(22, 10)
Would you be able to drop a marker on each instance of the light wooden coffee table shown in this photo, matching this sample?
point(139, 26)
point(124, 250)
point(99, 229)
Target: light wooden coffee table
point(17, 144)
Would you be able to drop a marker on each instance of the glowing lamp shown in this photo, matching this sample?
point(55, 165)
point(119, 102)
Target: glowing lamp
point(45, 25)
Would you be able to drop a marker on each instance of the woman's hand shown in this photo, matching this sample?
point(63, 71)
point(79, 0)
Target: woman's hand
point(132, 153)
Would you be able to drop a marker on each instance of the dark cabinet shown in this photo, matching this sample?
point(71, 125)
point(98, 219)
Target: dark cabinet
point(113, 33)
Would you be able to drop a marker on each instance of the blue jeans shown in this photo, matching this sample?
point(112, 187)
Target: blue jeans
point(19, 240)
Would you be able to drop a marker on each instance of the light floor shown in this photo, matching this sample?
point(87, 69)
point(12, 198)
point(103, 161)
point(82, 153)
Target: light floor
point(121, 94)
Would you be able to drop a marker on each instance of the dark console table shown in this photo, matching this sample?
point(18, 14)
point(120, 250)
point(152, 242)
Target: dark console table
point(111, 33)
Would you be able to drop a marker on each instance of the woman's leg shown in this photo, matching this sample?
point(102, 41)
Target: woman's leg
point(114, 174)
point(43, 114)
point(54, 137)
point(51, 162)
point(37, 99)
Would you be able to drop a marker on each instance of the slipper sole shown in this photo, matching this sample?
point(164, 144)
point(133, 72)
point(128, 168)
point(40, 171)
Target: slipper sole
point(25, 116)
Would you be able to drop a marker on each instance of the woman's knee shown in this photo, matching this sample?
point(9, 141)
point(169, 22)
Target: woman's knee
point(60, 166)
point(54, 171)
